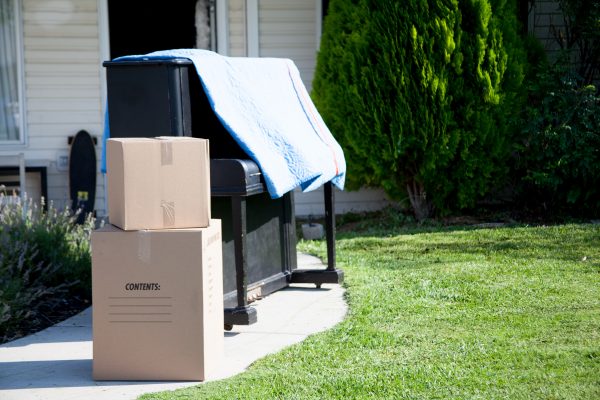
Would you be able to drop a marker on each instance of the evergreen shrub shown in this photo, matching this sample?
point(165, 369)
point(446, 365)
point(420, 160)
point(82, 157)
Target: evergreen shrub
point(419, 95)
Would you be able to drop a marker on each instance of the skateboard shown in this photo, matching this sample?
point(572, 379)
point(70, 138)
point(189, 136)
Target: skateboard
point(82, 174)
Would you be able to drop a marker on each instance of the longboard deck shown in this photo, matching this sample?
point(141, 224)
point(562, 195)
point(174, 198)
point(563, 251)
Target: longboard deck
point(82, 174)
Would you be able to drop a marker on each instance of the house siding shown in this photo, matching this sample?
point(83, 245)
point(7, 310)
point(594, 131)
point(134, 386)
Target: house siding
point(366, 199)
point(544, 18)
point(287, 29)
point(63, 90)
point(237, 28)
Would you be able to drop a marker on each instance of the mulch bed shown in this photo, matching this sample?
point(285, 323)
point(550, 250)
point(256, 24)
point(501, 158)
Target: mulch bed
point(49, 315)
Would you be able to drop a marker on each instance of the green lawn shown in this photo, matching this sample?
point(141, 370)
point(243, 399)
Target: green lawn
point(506, 313)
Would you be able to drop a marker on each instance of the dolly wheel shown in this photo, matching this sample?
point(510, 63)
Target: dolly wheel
point(318, 285)
point(228, 327)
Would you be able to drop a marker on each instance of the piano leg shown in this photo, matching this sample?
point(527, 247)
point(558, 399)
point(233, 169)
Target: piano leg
point(243, 314)
point(330, 274)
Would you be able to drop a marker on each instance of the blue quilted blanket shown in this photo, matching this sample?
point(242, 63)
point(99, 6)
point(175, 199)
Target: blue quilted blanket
point(266, 108)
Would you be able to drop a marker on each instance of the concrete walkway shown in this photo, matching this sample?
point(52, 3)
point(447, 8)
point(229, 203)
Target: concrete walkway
point(57, 363)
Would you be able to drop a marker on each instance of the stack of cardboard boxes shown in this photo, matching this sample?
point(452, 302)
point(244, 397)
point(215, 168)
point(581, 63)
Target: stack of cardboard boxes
point(157, 267)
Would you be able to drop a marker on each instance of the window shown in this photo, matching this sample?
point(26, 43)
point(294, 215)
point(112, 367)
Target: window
point(10, 104)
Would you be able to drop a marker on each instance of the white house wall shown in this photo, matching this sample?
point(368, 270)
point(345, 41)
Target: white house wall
point(237, 27)
point(367, 199)
point(288, 29)
point(62, 85)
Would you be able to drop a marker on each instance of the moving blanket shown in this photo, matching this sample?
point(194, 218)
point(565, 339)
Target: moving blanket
point(266, 108)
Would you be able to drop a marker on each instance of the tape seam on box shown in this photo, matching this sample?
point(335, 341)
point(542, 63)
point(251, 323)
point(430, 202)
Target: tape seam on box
point(168, 211)
point(166, 153)
point(144, 246)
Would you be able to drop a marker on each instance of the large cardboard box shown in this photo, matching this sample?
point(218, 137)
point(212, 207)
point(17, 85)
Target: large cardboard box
point(158, 303)
point(157, 183)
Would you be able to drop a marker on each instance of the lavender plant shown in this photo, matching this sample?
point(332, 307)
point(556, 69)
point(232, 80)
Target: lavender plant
point(44, 258)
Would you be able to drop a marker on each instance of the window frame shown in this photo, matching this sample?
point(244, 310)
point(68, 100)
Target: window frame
point(21, 141)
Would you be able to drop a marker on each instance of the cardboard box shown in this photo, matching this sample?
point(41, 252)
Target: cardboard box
point(158, 303)
point(158, 183)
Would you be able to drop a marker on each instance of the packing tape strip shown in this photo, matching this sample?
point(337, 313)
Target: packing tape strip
point(168, 209)
point(166, 153)
point(166, 158)
point(144, 246)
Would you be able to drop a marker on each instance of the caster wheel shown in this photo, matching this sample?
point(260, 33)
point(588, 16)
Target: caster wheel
point(228, 327)
point(318, 285)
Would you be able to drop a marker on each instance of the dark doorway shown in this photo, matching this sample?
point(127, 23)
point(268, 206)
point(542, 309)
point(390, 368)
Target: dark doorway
point(142, 26)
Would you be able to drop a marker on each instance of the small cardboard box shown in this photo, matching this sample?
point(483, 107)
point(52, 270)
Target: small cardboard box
point(158, 303)
point(158, 183)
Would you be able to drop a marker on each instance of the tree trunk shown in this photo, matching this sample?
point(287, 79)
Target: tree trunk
point(418, 200)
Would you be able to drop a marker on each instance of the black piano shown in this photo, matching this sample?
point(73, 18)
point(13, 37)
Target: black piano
point(148, 98)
